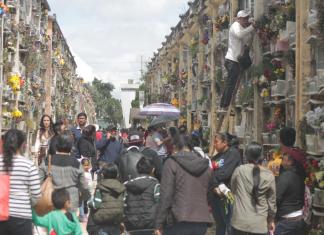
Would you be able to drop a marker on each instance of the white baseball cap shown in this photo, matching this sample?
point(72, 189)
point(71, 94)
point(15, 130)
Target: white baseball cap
point(243, 14)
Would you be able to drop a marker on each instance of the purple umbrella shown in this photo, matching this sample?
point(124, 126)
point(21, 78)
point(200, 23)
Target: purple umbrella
point(159, 109)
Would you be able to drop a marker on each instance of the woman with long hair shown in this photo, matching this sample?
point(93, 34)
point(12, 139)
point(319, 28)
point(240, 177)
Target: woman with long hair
point(43, 136)
point(254, 191)
point(24, 184)
point(224, 163)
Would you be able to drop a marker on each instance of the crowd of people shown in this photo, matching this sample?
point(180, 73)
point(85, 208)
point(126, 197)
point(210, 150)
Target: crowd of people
point(154, 181)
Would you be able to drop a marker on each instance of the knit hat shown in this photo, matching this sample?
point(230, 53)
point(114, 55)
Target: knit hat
point(297, 154)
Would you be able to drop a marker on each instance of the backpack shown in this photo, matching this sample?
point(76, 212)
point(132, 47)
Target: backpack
point(127, 164)
point(110, 212)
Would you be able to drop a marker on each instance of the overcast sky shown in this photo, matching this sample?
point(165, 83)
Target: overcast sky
point(109, 37)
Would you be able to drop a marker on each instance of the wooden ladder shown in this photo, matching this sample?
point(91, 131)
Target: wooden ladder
point(224, 118)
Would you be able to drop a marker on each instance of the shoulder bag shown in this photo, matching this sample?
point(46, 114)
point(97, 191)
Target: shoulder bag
point(45, 204)
point(4, 196)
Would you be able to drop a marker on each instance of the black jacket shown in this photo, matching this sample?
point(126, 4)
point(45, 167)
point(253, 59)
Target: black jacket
point(230, 159)
point(141, 202)
point(290, 189)
point(86, 147)
point(52, 145)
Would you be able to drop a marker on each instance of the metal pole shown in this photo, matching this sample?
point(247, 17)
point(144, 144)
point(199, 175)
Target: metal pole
point(1, 70)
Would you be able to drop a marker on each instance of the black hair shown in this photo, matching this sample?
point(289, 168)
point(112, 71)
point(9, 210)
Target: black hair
point(12, 141)
point(57, 127)
point(109, 171)
point(65, 142)
point(145, 165)
point(173, 131)
point(88, 131)
point(225, 137)
point(183, 129)
point(60, 197)
point(82, 114)
point(235, 142)
point(42, 127)
point(254, 155)
point(181, 141)
point(84, 161)
point(140, 128)
point(195, 140)
point(287, 136)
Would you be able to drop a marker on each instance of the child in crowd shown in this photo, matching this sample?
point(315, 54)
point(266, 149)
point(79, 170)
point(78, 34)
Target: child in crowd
point(86, 164)
point(142, 196)
point(60, 221)
point(106, 218)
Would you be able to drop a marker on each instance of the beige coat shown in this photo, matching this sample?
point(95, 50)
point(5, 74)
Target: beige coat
point(248, 217)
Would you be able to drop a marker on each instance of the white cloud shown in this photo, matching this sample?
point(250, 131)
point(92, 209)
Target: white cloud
point(110, 36)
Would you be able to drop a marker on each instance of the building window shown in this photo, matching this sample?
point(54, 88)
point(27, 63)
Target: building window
point(247, 5)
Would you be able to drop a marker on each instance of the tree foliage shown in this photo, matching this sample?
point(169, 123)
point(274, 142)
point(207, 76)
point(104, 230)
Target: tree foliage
point(107, 107)
point(135, 103)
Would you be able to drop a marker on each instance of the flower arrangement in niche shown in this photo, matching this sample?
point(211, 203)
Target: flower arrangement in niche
point(279, 70)
point(3, 9)
point(183, 74)
point(14, 82)
point(222, 22)
point(16, 113)
point(205, 39)
point(268, 26)
point(276, 121)
point(316, 119)
point(194, 45)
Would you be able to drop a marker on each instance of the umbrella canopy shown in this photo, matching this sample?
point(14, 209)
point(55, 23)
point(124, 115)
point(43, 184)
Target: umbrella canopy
point(163, 119)
point(160, 109)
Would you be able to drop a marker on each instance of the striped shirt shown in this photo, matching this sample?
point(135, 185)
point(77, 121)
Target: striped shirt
point(24, 186)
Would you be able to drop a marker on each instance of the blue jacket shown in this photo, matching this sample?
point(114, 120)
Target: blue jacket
point(112, 149)
point(77, 134)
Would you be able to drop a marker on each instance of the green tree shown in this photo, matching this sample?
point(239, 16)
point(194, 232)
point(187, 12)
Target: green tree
point(135, 103)
point(107, 107)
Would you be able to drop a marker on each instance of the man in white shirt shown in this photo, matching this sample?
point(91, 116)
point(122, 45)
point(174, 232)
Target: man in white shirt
point(240, 33)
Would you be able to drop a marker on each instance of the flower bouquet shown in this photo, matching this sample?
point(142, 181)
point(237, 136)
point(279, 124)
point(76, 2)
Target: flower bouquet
point(229, 197)
point(222, 22)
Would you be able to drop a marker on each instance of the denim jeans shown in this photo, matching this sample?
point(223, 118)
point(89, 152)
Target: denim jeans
point(233, 70)
point(239, 232)
point(222, 219)
point(17, 226)
point(186, 228)
point(109, 230)
point(290, 227)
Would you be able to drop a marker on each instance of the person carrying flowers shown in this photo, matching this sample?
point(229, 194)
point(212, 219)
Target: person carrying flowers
point(224, 163)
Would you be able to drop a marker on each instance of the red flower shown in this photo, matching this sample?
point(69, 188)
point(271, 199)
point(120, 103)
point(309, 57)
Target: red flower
point(267, 73)
point(315, 164)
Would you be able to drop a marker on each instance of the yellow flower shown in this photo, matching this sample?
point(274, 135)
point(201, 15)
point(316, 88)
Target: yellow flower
point(16, 113)
point(14, 82)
